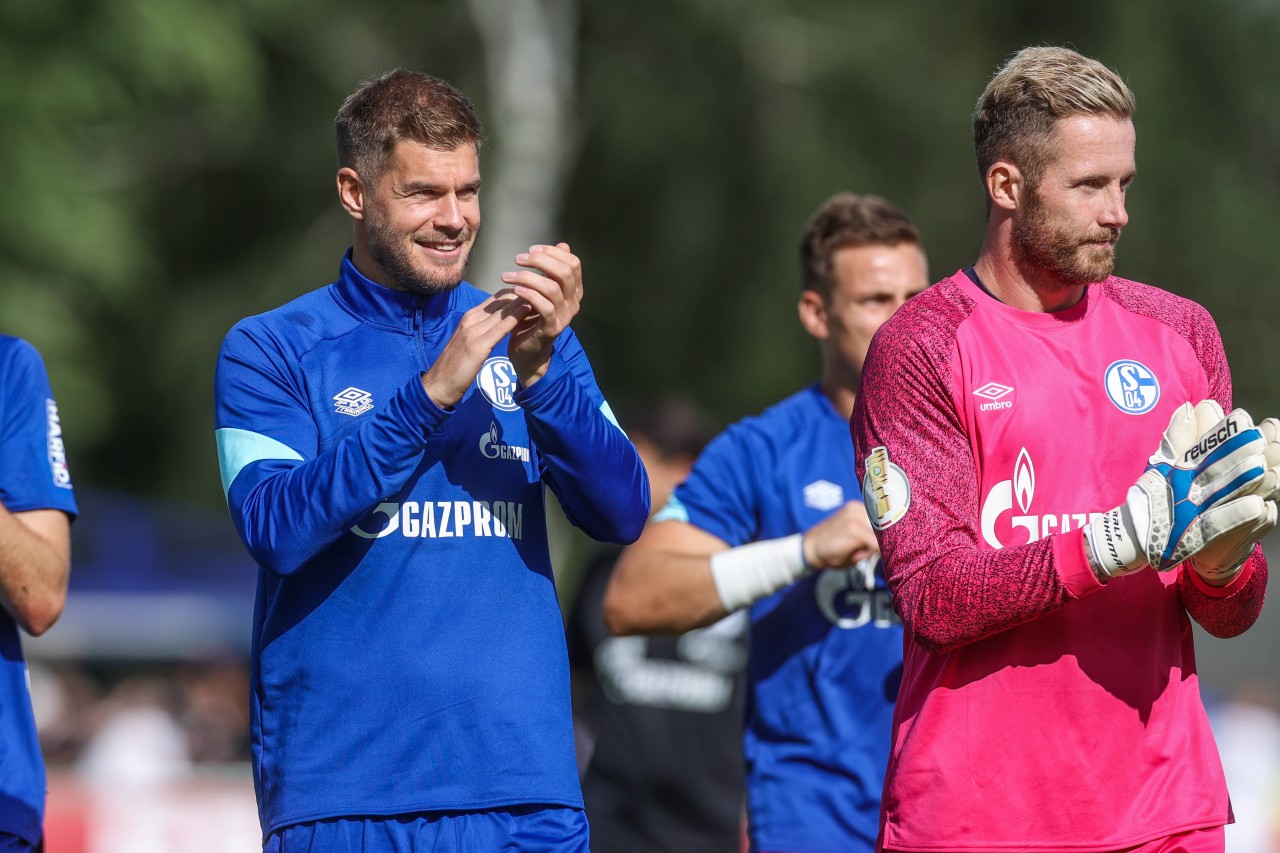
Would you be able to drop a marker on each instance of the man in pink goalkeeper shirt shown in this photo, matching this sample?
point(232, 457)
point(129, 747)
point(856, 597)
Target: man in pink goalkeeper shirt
point(1050, 699)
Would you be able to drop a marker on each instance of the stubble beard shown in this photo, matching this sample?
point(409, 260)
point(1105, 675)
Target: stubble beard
point(1044, 252)
point(394, 254)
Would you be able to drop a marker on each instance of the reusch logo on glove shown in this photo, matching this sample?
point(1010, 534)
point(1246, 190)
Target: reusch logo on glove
point(1209, 442)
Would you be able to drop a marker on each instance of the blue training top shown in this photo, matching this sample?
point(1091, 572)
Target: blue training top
point(408, 647)
point(826, 652)
point(33, 476)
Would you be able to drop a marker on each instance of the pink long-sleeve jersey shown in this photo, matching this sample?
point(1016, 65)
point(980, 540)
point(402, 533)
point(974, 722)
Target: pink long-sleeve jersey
point(1039, 709)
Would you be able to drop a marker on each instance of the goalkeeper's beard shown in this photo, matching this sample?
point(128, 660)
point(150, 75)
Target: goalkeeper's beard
point(1069, 259)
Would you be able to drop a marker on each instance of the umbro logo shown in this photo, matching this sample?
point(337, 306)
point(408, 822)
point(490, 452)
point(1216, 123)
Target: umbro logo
point(823, 494)
point(992, 393)
point(352, 401)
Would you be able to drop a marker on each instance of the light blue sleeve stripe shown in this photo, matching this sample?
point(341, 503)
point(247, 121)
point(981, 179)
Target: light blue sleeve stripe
point(673, 511)
point(608, 413)
point(240, 447)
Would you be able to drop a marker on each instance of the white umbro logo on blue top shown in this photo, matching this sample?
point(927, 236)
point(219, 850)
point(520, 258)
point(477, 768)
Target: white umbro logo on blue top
point(823, 494)
point(1131, 386)
point(352, 401)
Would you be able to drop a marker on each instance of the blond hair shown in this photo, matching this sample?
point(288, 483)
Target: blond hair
point(1035, 88)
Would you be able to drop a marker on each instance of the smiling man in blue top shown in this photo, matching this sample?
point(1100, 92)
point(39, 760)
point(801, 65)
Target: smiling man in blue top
point(384, 442)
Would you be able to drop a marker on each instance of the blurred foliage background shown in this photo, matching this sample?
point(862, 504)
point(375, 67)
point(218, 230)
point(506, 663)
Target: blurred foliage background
point(169, 169)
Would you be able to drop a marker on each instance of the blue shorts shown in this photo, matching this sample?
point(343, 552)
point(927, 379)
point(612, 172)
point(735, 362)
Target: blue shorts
point(527, 829)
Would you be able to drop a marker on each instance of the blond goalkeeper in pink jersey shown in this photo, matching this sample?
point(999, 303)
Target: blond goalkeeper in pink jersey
point(1057, 493)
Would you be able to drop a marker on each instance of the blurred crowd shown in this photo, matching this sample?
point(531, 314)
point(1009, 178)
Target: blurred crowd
point(1246, 725)
point(143, 723)
point(135, 723)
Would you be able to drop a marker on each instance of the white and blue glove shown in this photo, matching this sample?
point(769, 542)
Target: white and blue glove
point(1221, 558)
point(1199, 488)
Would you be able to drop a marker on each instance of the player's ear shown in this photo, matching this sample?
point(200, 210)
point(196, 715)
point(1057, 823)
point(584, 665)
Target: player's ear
point(1005, 185)
point(813, 314)
point(351, 192)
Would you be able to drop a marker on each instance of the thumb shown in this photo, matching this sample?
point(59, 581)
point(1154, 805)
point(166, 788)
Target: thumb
point(1181, 433)
point(1208, 414)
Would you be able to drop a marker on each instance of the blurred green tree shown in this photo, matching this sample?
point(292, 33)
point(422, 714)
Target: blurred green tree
point(170, 170)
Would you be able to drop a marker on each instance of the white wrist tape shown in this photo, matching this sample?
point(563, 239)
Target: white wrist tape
point(748, 573)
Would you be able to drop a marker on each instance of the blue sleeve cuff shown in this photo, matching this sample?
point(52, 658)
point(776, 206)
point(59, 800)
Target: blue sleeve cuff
point(528, 397)
point(422, 408)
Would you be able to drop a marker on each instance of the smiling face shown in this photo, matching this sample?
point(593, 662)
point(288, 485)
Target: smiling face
point(1066, 228)
point(416, 222)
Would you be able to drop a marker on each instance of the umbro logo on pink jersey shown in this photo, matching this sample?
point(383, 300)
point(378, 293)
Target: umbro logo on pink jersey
point(992, 392)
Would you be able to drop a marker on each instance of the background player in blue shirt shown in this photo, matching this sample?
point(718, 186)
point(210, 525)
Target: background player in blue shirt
point(36, 508)
point(384, 445)
point(771, 500)
point(659, 721)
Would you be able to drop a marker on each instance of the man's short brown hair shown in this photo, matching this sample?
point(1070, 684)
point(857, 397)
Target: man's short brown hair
point(1035, 88)
point(400, 105)
point(846, 221)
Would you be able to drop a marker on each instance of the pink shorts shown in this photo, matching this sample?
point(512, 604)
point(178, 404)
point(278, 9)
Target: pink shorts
point(1212, 840)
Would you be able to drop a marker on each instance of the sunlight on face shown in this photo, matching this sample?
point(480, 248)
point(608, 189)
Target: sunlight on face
point(422, 215)
point(1068, 225)
point(871, 282)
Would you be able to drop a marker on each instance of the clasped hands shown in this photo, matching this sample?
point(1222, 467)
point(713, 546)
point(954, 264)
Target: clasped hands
point(537, 304)
point(1207, 496)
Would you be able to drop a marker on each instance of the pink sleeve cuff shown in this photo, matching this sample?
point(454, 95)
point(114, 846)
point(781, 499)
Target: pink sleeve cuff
point(1241, 578)
point(1072, 565)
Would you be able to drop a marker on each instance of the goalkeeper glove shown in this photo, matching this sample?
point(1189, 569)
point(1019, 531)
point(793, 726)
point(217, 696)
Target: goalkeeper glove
point(1221, 558)
point(1185, 497)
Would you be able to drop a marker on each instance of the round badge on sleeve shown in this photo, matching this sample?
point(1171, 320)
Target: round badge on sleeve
point(885, 490)
point(1132, 386)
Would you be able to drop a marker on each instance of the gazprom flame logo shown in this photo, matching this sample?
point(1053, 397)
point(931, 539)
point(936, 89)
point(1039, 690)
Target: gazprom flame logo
point(492, 446)
point(1022, 488)
point(1024, 480)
